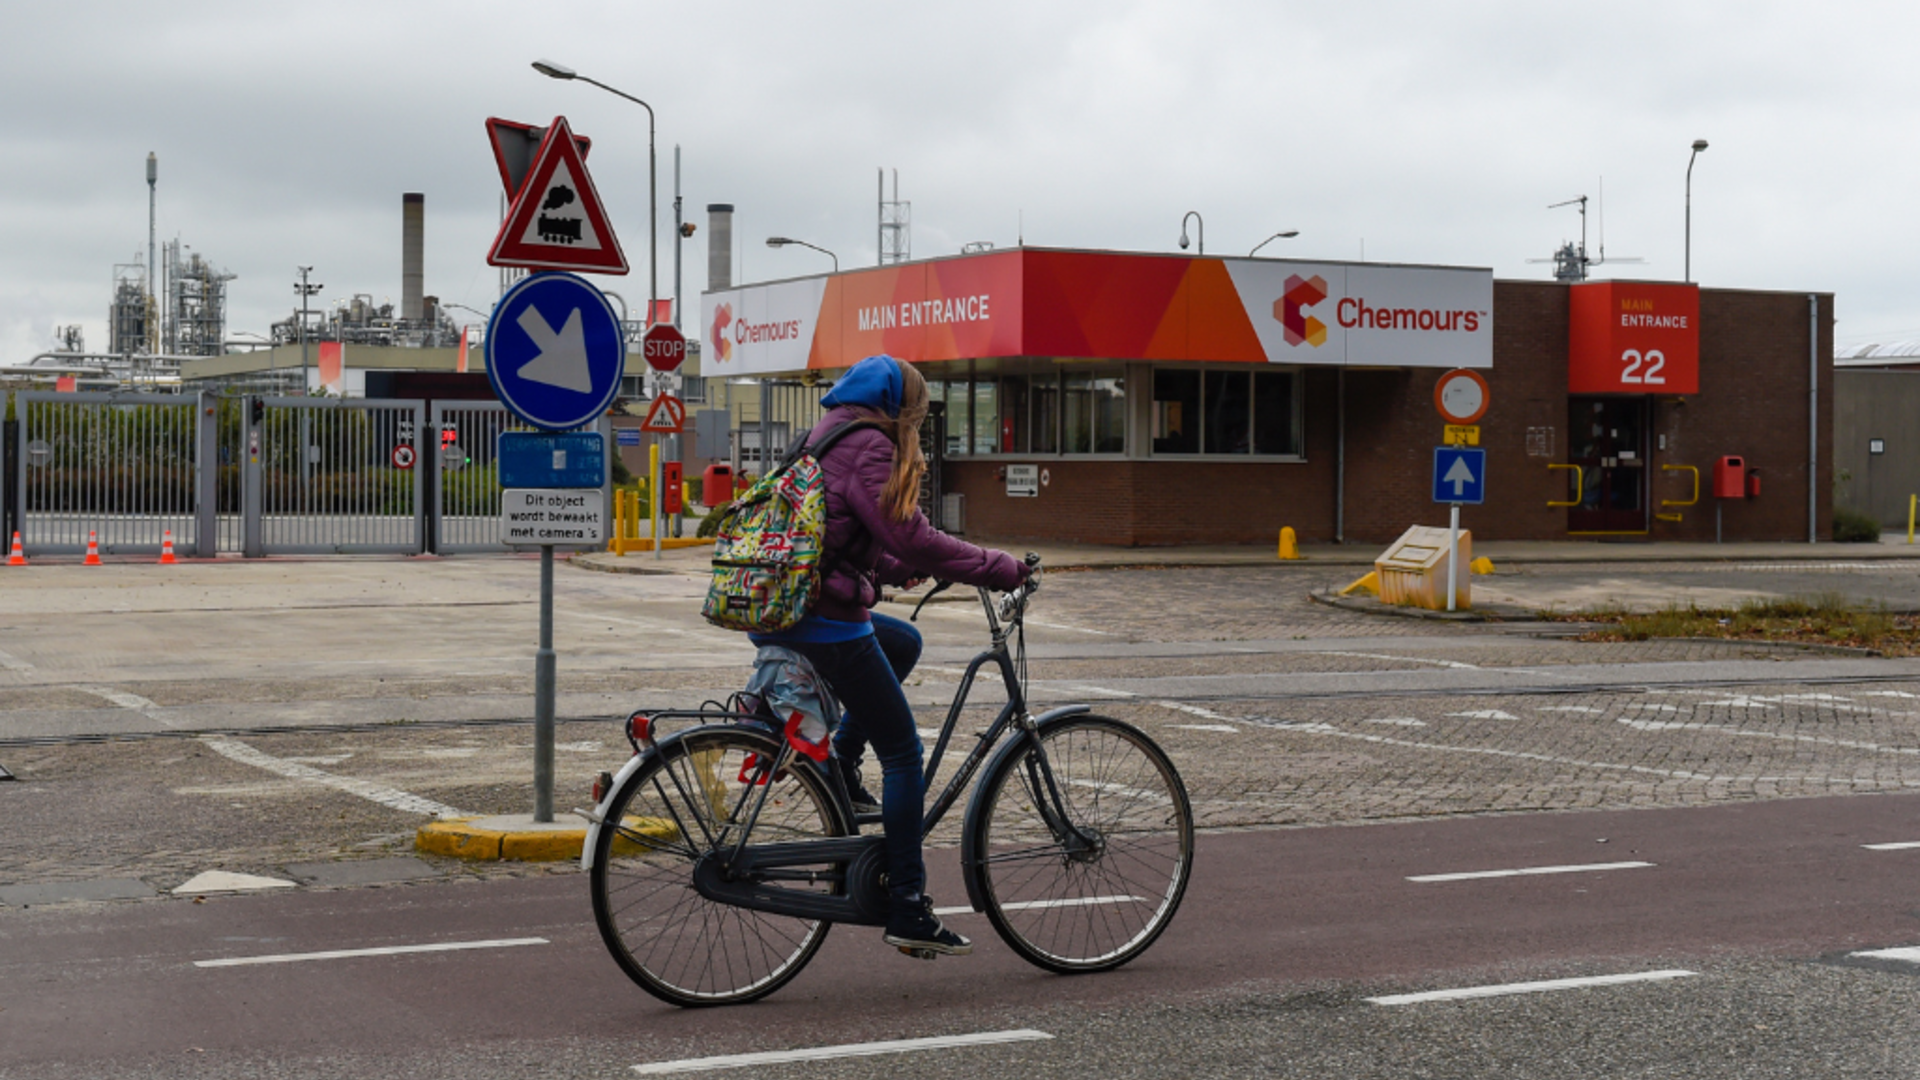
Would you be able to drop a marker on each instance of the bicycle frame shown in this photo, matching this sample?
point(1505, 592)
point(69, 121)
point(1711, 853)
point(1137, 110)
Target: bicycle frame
point(748, 874)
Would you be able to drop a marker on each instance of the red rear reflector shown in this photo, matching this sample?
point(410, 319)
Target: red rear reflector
point(640, 727)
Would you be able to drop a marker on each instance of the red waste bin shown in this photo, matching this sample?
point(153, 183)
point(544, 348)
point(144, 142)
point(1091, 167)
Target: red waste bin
point(716, 485)
point(1730, 477)
point(1753, 483)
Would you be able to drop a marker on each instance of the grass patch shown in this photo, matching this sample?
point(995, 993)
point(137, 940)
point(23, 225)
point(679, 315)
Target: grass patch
point(1824, 619)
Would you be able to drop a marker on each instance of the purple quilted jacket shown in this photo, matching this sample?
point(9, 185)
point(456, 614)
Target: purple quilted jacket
point(874, 549)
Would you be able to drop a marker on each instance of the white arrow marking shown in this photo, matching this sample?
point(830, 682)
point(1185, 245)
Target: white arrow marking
point(562, 360)
point(1460, 475)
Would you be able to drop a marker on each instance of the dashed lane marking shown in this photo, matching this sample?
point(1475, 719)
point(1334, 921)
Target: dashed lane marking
point(1206, 727)
point(1909, 954)
point(1100, 691)
point(14, 663)
point(119, 697)
point(1904, 845)
point(1038, 905)
point(1455, 664)
point(1543, 986)
point(1581, 868)
point(348, 954)
point(235, 750)
point(845, 1050)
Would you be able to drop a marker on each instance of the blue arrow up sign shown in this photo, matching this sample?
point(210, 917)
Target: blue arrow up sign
point(1459, 475)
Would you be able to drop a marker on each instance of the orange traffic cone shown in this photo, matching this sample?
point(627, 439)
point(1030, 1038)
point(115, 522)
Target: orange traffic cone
point(166, 550)
point(93, 549)
point(19, 556)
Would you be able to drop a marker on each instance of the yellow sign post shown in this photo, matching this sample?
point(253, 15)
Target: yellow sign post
point(1460, 435)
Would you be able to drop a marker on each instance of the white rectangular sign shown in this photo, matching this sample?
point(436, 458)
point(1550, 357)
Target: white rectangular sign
point(1023, 481)
point(1362, 314)
point(762, 330)
point(564, 516)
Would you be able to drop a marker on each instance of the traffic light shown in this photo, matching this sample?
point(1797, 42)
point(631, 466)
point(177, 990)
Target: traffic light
point(257, 408)
point(686, 228)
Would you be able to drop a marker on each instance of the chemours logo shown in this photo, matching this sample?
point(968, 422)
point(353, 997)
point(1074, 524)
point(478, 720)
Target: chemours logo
point(722, 316)
point(1302, 293)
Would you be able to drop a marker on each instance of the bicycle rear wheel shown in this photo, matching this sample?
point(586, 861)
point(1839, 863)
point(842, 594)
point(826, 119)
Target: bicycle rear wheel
point(1092, 891)
point(689, 800)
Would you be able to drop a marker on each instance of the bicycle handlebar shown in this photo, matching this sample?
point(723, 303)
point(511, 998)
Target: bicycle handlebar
point(1009, 602)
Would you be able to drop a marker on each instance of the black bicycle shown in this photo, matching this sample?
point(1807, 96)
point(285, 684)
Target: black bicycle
point(720, 858)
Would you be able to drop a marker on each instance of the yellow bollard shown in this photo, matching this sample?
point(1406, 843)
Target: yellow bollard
point(1289, 544)
point(1481, 565)
point(618, 544)
point(1912, 501)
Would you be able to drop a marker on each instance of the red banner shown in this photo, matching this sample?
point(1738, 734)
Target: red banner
point(1632, 337)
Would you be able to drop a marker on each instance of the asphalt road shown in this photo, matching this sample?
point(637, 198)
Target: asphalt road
point(1331, 757)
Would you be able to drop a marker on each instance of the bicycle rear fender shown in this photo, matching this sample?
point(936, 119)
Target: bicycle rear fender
point(970, 859)
point(599, 813)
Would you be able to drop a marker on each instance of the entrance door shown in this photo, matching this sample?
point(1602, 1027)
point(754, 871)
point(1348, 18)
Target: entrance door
point(1607, 440)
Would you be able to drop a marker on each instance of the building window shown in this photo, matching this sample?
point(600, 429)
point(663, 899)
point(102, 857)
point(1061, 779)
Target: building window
point(1226, 412)
point(1096, 415)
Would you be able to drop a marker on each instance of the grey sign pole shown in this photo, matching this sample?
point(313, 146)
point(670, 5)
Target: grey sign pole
point(543, 672)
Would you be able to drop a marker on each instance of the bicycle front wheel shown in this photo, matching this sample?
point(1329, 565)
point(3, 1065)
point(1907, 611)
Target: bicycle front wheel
point(1083, 871)
point(685, 804)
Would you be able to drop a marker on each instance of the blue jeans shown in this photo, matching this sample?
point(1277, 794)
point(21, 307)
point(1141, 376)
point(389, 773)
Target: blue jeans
point(865, 675)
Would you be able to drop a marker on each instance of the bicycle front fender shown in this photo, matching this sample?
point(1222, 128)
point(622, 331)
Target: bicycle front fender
point(971, 858)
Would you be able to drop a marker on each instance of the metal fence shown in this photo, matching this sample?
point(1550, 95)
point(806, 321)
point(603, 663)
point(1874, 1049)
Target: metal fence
point(325, 477)
point(125, 469)
point(467, 478)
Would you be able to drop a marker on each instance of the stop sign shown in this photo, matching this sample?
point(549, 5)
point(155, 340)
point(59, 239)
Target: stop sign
point(664, 347)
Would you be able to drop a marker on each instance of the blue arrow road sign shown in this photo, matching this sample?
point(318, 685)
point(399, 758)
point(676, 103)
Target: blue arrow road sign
point(555, 351)
point(1459, 475)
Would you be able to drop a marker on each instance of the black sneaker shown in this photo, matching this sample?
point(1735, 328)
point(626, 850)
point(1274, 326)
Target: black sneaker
point(913, 927)
point(857, 793)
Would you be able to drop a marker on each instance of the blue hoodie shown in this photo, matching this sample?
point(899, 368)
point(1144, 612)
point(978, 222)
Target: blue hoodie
point(873, 383)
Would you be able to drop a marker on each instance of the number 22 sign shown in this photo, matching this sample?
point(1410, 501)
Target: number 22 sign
point(1633, 338)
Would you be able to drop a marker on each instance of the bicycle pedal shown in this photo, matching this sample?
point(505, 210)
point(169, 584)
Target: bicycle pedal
point(919, 954)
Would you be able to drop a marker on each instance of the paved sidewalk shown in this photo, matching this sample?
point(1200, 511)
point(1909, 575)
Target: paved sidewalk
point(1504, 553)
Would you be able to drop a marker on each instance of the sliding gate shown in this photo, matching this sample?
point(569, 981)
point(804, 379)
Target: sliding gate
point(123, 469)
point(336, 476)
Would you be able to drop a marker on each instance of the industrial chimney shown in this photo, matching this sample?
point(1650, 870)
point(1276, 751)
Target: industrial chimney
point(413, 231)
point(719, 246)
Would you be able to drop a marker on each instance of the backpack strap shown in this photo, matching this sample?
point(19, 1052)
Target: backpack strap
point(826, 443)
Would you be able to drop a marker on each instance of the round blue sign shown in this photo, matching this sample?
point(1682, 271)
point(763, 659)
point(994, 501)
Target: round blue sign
point(555, 352)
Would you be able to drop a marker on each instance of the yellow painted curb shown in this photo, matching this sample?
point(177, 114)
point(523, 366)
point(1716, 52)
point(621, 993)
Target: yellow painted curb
point(462, 838)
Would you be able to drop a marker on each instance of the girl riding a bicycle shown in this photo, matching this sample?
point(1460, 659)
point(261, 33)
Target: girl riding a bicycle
point(876, 535)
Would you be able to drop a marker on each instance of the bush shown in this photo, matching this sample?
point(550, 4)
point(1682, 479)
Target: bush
point(710, 524)
point(1853, 527)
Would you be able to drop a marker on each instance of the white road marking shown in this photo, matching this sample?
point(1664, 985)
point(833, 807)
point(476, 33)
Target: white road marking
point(380, 793)
point(1063, 626)
point(119, 697)
point(1206, 727)
point(1588, 709)
point(227, 881)
point(1529, 870)
point(1528, 987)
point(1904, 845)
point(1036, 905)
point(14, 663)
point(1194, 710)
point(1890, 693)
point(1101, 691)
point(829, 1053)
point(347, 954)
point(1409, 659)
point(1847, 744)
point(1909, 954)
point(1485, 714)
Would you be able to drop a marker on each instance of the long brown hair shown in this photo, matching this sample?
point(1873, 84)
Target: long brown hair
point(901, 496)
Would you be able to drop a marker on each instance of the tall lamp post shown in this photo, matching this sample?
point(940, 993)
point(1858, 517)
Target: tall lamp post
point(783, 241)
point(1195, 215)
point(560, 71)
point(1288, 235)
point(1698, 145)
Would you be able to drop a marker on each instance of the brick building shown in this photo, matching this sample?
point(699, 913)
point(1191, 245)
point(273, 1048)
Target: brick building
point(1139, 399)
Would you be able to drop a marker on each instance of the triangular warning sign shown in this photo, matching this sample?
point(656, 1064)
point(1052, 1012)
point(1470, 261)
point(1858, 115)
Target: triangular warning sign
point(556, 222)
point(666, 416)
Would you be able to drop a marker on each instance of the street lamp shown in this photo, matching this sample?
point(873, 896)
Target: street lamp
point(783, 241)
point(1194, 214)
point(560, 71)
point(1288, 235)
point(1698, 145)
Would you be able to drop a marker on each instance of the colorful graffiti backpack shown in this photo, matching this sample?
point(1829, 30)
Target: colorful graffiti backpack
point(768, 562)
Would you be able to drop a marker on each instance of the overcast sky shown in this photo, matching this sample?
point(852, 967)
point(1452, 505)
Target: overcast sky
point(1417, 131)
